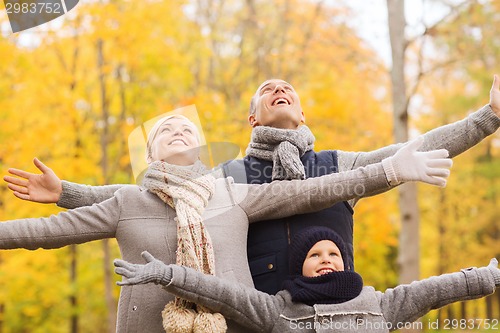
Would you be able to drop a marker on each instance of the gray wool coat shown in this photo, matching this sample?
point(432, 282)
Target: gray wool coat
point(140, 221)
point(372, 311)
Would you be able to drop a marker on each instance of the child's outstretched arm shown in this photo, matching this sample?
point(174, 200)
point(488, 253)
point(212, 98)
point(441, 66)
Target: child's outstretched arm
point(407, 303)
point(247, 306)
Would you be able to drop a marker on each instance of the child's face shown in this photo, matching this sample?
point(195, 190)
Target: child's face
point(323, 258)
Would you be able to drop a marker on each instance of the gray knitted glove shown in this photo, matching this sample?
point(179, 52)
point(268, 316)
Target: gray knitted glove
point(154, 271)
point(408, 164)
point(493, 267)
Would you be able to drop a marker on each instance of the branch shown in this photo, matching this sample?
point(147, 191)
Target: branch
point(454, 12)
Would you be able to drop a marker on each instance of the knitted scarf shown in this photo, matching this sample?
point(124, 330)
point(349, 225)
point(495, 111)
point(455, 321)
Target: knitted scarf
point(283, 147)
point(332, 288)
point(187, 190)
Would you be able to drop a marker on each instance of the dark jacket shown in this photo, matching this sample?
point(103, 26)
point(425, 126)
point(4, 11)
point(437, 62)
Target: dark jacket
point(268, 242)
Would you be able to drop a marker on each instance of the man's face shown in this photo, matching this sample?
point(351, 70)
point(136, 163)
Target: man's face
point(323, 258)
point(276, 105)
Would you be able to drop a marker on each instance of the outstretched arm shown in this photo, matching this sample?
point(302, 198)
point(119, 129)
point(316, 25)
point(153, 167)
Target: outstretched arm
point(48, 188)
point(285, 198)
point(456, 137)
point(407, 303)
point(247, 306)
point(71, 227)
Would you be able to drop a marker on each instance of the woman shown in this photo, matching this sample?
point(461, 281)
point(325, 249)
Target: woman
point(178, 194)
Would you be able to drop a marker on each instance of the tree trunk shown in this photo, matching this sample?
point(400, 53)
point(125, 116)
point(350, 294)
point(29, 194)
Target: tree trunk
point(73, 277)
point(408, 260)
point(442, 223)
point(497, 293)
point(108, 283)
point(2, 305)
point(463, 310)
point(489, 306)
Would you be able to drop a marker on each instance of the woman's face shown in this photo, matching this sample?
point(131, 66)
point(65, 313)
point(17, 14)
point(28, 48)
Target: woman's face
point(176, 142)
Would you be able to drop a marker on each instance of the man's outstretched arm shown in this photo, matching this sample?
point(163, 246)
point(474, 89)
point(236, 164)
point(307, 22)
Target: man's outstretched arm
point(456, 137)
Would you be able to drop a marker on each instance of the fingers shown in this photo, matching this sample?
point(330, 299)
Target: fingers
point(440, 163)
point(20, 191)
point(441, 182)
point(20, 173)
point(16, 188)
point(415, 143)
point(147, 256)
point(437, 181)
point(22, 196)
point(42, 167)
point(123, 263)
point(494, 262)
point(16, 181)
point(496, 83)
point(127, 282)
point(435, 154)
point(438, 172)
point(124, 272)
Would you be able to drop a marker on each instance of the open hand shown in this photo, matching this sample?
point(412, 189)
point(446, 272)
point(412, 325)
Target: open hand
point(154, 271)
point(408, 164)
point(44, 188)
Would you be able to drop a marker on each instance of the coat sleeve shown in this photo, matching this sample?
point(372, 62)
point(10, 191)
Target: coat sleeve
point(291, 197)
point(71, 227)
point(76, 195)
point(407, 303)
point(245, 305)
point(456, 138)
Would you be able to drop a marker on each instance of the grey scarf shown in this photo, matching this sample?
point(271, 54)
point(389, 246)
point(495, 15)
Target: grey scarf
point(283, 147)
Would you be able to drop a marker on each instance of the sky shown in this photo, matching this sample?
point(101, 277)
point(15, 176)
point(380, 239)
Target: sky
point(370, 20)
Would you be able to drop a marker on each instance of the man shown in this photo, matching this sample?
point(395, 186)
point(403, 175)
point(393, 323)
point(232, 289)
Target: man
point(281, 148)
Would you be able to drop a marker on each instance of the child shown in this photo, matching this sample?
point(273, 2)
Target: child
point(320, 296)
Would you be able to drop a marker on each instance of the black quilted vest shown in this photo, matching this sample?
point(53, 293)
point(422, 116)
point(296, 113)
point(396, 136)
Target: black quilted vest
point(268, 240)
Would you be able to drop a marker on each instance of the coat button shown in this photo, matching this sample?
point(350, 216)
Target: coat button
point(270, 266)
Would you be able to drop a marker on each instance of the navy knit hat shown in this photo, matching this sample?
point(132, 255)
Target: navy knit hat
point(305, 240)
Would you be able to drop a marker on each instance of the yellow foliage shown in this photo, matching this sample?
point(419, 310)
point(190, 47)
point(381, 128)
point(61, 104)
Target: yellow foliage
point(157, 56)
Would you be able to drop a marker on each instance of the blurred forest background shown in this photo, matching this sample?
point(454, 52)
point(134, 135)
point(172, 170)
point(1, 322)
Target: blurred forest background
point(75, 91)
